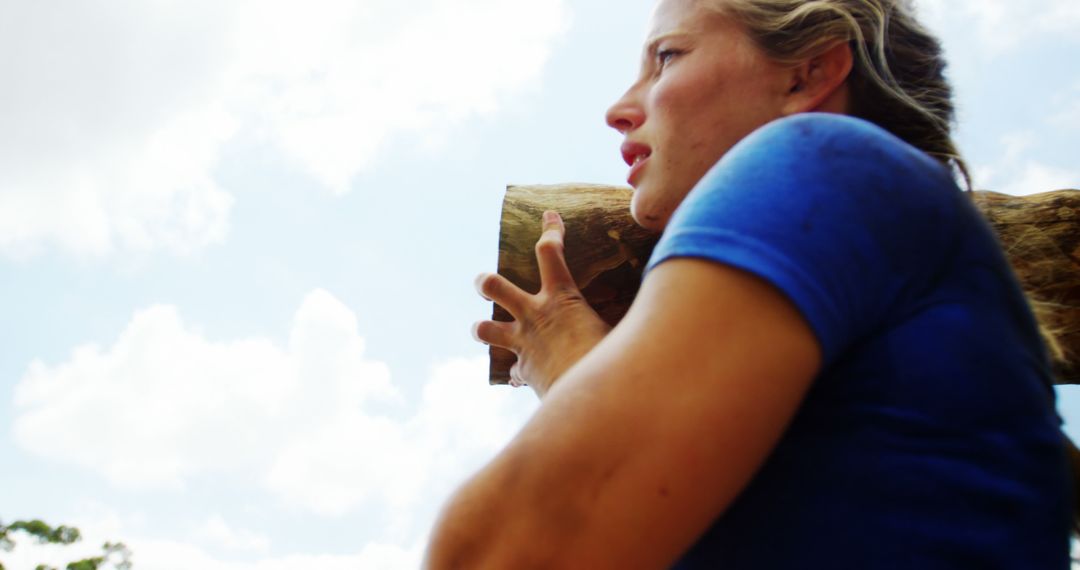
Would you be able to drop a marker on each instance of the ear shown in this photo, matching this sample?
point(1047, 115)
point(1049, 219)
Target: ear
point(820, 83)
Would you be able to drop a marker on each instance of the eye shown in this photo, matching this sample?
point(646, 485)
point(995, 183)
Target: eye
point(664, 56)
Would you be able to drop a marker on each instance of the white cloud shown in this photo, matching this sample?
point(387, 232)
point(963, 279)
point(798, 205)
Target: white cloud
point(1000, 25)
point(107, 134)
point(444, 61)
point(1068, 117)
point(114, 115)
point(1016, 173)
point(1034, 177)
point(174, 555)
point(219, 532)
point(162, 404)
point(164, 554)
point(320, 425)
point(412, 463)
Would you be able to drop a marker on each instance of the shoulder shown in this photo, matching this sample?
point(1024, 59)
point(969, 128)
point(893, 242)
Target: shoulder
point(837, 213)
point(829, 136)
point(837, 151)
point(820, 163)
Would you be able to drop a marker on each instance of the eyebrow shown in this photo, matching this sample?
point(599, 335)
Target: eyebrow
point(650, 48)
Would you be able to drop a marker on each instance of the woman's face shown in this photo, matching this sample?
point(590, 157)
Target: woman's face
point(703, 86)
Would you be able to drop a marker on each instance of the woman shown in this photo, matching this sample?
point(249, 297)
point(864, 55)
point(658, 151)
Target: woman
point(829, 363)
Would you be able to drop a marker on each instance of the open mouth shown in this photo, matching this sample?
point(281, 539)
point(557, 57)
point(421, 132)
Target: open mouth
point(635, 155)
point(636, 166)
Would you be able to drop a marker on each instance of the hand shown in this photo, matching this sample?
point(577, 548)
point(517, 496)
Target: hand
point(551, 330)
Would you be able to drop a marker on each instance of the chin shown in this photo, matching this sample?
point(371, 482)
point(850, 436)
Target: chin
point(647, 215)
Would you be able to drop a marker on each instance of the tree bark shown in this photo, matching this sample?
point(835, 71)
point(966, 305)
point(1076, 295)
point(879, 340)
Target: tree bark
point(607, 252)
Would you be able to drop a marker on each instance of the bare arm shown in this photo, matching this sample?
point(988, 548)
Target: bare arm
point(648, 438)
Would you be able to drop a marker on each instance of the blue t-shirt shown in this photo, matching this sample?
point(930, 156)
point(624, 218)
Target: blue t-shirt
point(929, 439)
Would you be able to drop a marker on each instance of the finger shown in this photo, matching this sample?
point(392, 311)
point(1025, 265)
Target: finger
point(554, 273)
point(495, 333)
point(495, 287)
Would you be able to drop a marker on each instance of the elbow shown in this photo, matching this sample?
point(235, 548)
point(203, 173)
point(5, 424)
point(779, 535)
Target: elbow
point(457, 545)
point(464, 540)
point(465, 534)
point(451, 545)
point(494, 522)
point(477, 530)
point(448, 549)
point(453, 542)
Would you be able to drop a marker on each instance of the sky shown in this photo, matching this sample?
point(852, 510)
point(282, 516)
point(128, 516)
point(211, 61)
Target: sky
point(238, 241)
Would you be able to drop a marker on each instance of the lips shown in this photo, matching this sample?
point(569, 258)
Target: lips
point(633, 152)
point(635, 155)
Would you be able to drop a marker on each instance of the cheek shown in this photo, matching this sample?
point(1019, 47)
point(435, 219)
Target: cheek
point(699, 119)
point(682, 98)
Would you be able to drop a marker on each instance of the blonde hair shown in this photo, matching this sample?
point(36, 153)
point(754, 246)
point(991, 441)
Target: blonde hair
point(897, 82)
point(898, 79)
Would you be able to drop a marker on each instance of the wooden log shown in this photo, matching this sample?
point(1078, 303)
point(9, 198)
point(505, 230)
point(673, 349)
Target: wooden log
point(607, 252)
point(1041, 237)
point(605, 249)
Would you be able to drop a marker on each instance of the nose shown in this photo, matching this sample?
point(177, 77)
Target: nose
point(626, 114)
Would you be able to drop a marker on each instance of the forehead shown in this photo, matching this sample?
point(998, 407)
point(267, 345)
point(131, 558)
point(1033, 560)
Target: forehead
point(698, 20)
point(679, 15)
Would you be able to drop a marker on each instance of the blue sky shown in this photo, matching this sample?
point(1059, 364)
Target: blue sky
point(238, 239)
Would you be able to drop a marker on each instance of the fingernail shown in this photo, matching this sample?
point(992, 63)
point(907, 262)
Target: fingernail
point(551, 217)
point(478, 283)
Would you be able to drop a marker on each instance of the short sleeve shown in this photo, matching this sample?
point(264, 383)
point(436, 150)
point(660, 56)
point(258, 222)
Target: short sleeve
point(845, 219)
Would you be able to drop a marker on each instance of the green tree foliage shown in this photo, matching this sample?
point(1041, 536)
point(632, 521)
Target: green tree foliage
point(40, 531)
point(116, 554)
